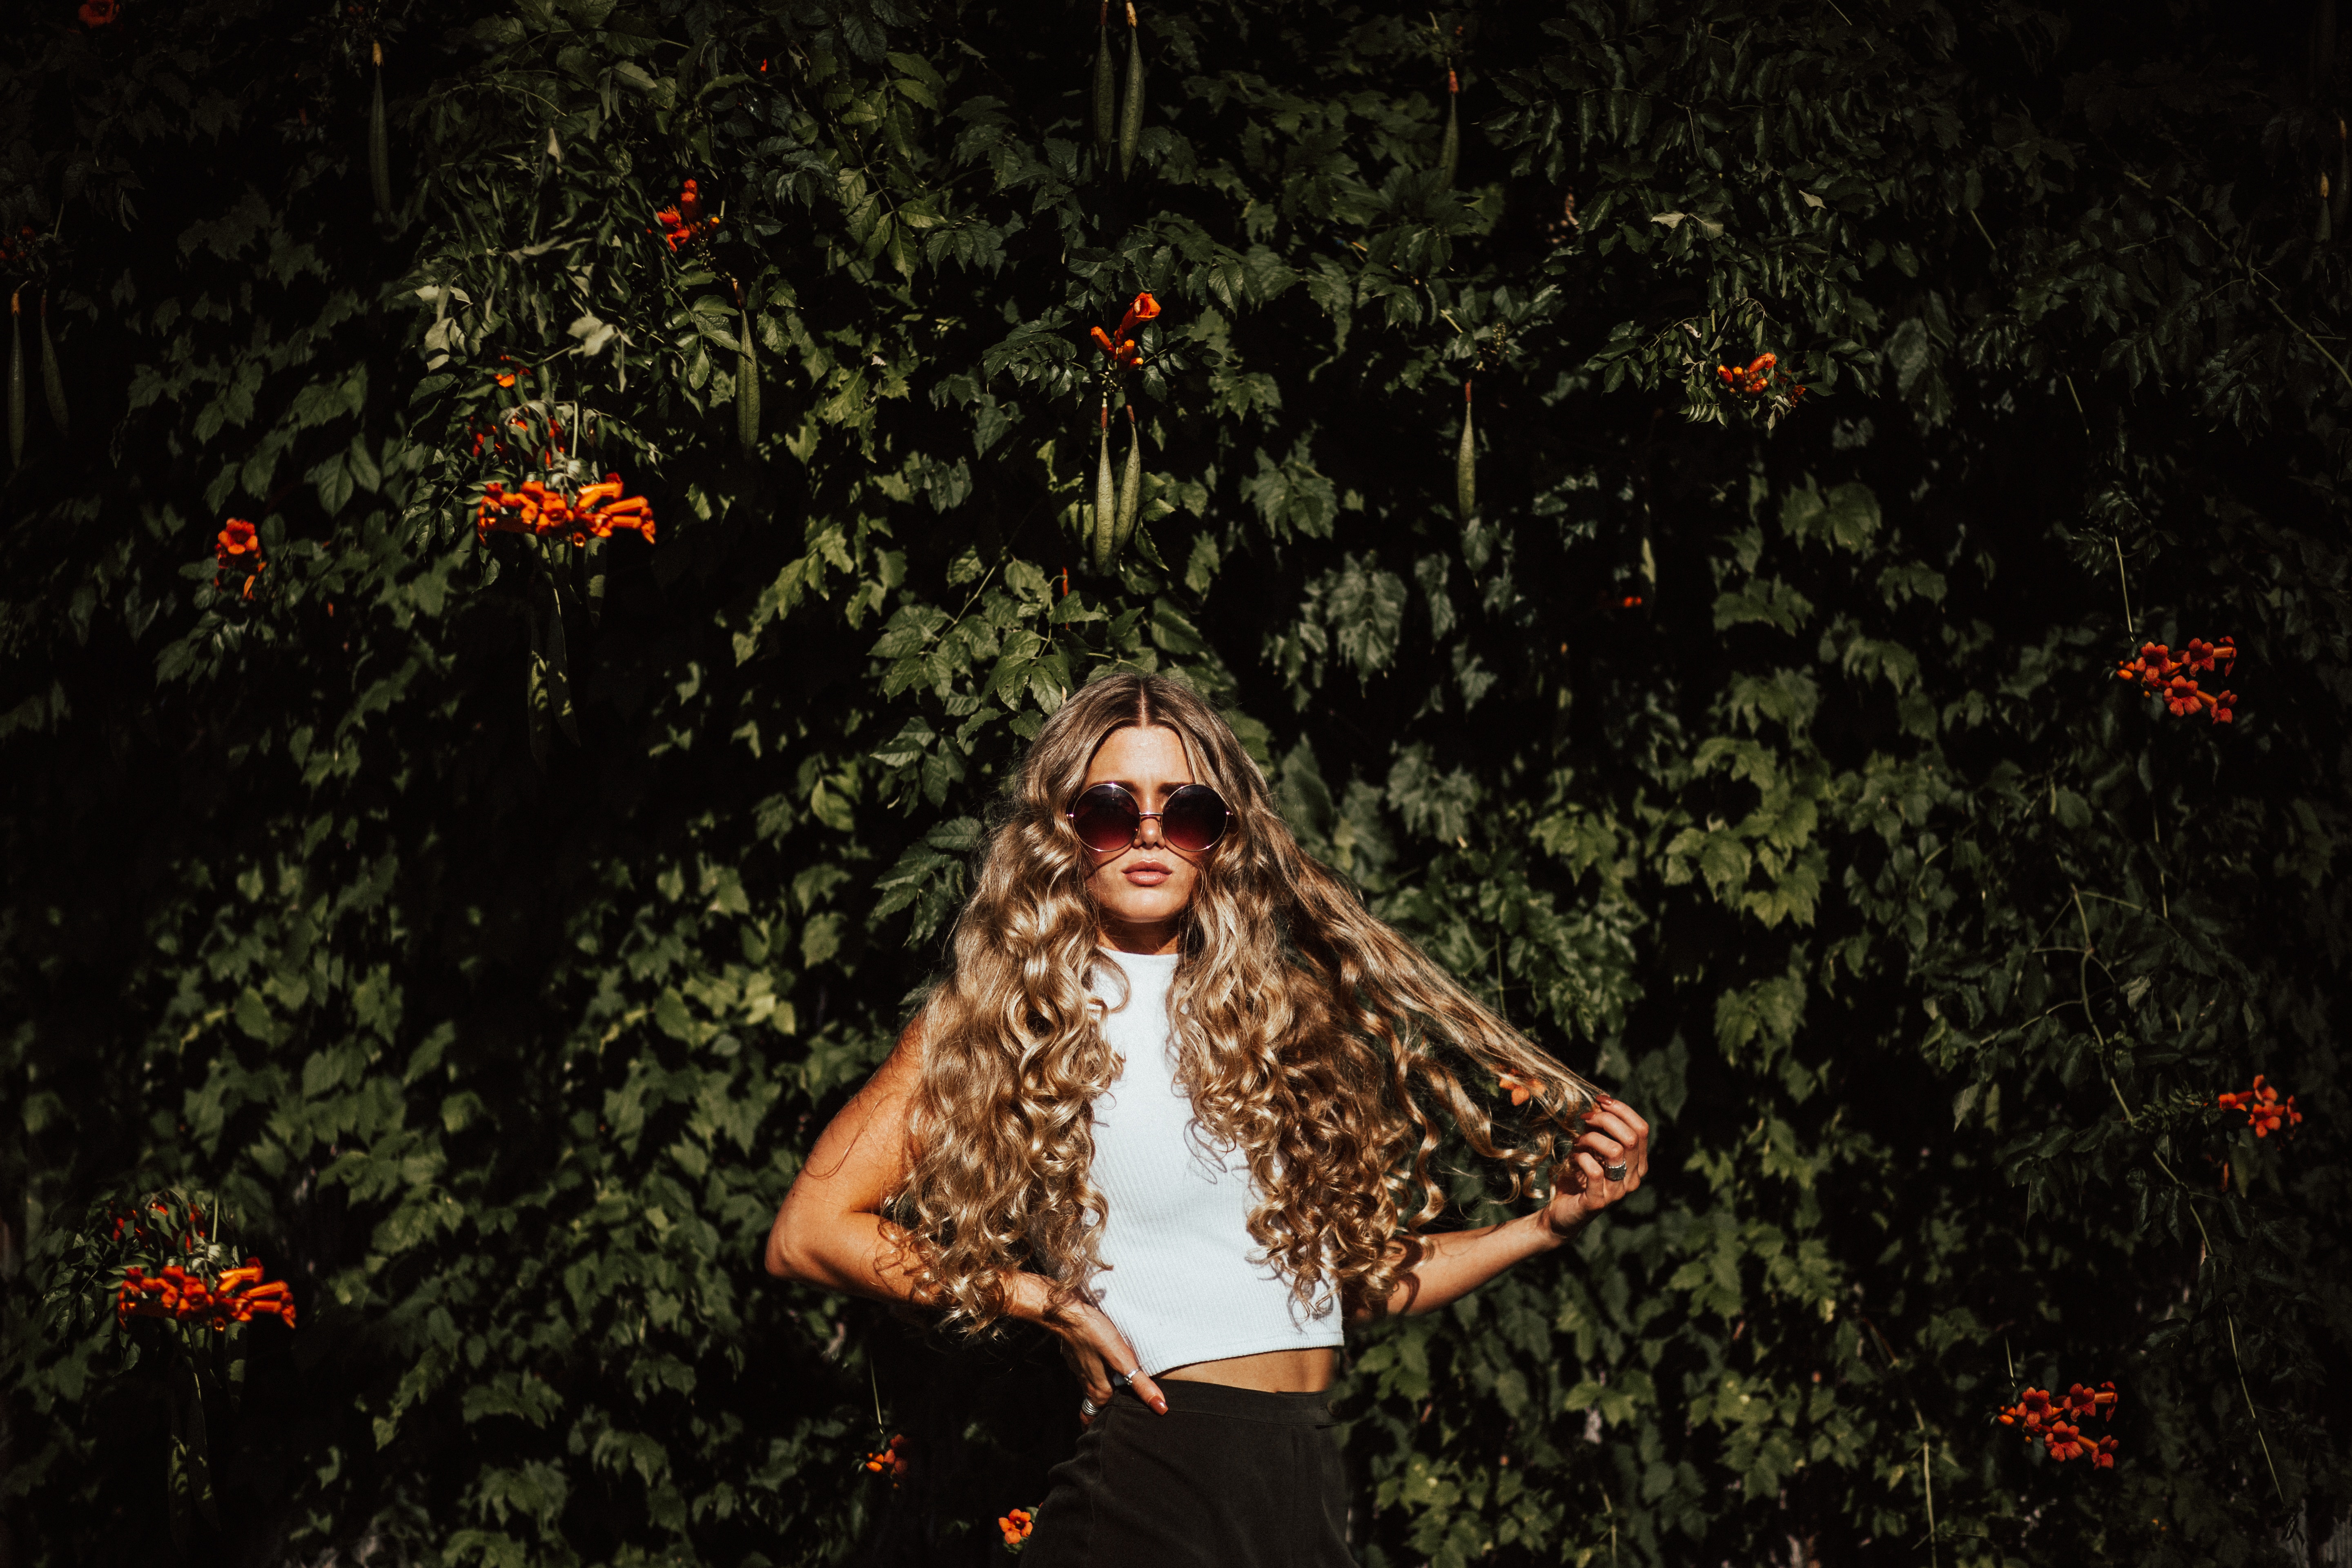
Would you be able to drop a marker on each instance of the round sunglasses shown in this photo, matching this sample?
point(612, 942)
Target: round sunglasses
point(1106, 818)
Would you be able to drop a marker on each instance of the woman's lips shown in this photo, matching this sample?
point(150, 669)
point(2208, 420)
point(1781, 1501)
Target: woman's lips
point(1149, 874)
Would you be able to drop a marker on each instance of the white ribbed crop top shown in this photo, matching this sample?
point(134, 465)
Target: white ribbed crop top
point(1181, 1283)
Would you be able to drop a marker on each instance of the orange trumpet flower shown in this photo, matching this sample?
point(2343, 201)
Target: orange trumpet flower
point(1120, 345)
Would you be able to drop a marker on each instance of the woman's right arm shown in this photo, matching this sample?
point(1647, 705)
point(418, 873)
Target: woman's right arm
point(830, 1230)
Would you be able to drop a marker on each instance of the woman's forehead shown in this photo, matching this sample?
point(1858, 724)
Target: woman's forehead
point(1139, 754)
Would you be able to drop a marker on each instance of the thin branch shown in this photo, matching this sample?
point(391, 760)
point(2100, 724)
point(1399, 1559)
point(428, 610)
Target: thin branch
point(2130, 628)
point(2164, 916)
point(2254, 274)
point(2082, 980)
point(2206, 1239)
point(1928, 1478)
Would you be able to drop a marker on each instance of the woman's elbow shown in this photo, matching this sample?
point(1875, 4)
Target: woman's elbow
point(787, 1255)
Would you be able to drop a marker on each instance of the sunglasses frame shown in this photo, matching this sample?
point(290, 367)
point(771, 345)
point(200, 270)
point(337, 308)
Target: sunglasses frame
point(1142, 816)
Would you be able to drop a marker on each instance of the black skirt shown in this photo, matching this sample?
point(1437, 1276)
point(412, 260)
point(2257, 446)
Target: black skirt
point(1229, 1478)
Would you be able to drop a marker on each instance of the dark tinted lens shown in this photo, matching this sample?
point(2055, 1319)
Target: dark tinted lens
point(1194, 818)
point(1106, 818)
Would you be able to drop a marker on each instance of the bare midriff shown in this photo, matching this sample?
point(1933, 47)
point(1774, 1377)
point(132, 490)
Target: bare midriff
point(1268, 1372)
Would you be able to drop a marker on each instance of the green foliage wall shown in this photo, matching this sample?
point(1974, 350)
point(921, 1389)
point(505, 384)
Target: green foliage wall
point(492, 921)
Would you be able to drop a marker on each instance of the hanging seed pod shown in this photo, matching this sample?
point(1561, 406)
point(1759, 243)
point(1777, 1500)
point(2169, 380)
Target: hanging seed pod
point(1449, 151)
point(747, 389)
point(16, 379)
point(1465, 466)
point(1106, 90)
point(379, 144)
point(52, 381)
point(1130, 111)
point(537, 702)
point(1105, 539)
point(593, 565)
point(559, 660)
point(233, 1345)
point(1130, 486)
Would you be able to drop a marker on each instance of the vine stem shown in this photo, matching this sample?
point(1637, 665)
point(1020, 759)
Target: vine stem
point(2082, 980)
point(2130, 628)
point(2253, 275)
point(2230, 1319)
point(1928, 1476)
point(2155, 812)
point(2252, 1415)
point(1926, 1439)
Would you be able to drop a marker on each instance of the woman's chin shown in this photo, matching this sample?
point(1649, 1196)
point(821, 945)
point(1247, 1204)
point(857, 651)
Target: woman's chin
point(1136, 913)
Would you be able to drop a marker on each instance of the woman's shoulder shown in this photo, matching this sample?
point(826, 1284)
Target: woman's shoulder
point(906, 1058)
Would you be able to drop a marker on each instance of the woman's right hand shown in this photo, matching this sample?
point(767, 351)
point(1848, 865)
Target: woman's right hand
point(1090, 1342)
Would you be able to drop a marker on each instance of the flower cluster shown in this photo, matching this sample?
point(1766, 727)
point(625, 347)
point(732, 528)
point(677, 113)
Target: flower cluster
point(2265, 1112)
point(890, 1459)
point(1016, 1527)
point(236, 1296)
point(15, 249)
point(1757, 376)
point(185, 1272)
point(238, 544)
point(2162, 673)
point(591, 512)
point(100, 13)
point(2057, 1420)
point(685, 224)
point(1120, 345)
point(1522, 1089)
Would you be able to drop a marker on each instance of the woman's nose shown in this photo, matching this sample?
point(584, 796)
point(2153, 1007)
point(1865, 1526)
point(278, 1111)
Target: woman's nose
point(1147, 833)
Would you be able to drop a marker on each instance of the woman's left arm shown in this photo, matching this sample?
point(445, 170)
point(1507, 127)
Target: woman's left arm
point(1458, 1262)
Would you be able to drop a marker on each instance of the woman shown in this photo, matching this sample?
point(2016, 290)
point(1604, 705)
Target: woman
point(1176, 1103)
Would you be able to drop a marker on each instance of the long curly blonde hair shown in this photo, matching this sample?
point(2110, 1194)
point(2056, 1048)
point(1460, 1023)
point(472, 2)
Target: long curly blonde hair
point(1311, 1037)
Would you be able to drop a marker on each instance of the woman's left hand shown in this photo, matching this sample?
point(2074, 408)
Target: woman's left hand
point(1615, 1142)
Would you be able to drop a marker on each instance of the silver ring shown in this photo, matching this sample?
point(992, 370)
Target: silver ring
point(1614, 1173)
point(1129, 1378)
point(1088, 1406)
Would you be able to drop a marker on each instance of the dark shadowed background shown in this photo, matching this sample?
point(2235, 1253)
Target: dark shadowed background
point(488, 924)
